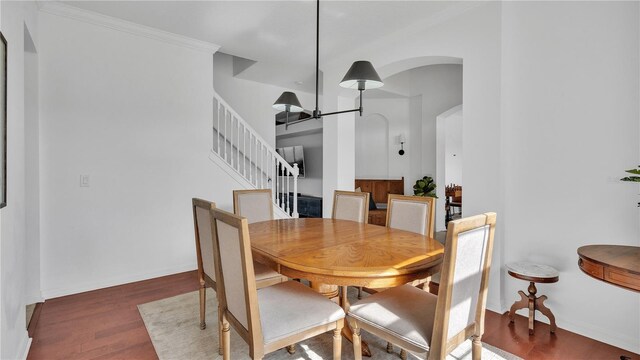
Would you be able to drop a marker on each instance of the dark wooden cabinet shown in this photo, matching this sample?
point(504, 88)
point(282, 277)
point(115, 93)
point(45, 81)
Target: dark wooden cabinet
point(380, 189)
point(378, 217)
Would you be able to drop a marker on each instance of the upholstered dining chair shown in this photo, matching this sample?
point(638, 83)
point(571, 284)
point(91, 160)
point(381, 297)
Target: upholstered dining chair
point(206, 265)
point(351, 205)
point(422, 322)
point(411, 213)
point(270, 318)
point(255, 205)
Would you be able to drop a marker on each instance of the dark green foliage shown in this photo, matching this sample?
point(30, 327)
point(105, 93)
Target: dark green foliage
point(425, 187)
point(633, 177)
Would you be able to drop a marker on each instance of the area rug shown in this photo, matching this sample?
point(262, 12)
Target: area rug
point(173, 325)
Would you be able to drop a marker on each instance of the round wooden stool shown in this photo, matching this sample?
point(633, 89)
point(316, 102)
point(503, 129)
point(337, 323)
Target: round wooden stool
point(534, 273)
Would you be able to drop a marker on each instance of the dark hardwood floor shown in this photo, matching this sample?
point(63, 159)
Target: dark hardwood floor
point(106, 324)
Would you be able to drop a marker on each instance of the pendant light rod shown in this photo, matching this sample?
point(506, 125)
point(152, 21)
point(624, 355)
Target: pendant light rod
point(316, 112)
point(361, 76)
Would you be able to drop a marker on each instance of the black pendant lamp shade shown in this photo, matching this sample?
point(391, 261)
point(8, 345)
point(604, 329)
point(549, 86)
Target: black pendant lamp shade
point(361, 76)
point(288, 101)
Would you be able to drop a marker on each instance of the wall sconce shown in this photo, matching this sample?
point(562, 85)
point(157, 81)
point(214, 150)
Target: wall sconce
point(402, 140)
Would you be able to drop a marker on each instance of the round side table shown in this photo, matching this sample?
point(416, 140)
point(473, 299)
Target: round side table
point(534, 273)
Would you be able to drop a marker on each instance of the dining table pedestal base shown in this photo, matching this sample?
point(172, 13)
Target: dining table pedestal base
point(331, 292)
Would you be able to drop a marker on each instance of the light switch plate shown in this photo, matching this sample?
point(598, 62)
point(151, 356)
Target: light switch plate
point(84, 180)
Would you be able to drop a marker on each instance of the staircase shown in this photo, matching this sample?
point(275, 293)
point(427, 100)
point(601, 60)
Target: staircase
point(242, 153)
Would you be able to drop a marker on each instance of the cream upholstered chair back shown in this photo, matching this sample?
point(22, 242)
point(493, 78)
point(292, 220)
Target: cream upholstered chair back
point(255, 205)
point(411, 213)
point(236, 285)
point(351, 205)
point(204, 238)
point(292, 312)
point(462, 294)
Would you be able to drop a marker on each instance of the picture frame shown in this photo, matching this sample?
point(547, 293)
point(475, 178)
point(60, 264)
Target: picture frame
point(3, 121)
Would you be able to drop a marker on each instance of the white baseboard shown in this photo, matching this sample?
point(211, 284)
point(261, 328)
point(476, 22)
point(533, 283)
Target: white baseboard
point(27, 347)
point(497, 308)
point(119, 280)
point(617, 339)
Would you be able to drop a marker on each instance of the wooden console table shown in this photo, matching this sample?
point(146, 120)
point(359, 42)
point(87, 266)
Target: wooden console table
point(615, 264)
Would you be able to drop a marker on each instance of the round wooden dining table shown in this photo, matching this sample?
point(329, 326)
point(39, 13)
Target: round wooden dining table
point(339, 253)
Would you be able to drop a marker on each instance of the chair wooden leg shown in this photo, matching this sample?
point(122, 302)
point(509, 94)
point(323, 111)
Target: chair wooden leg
point(337, 343)
point(220, 340)
point(357, 341)
point(389, 347)
point(203, 306)
point(291, 349)
point(476, 348)
point(359, 292)
point(226, 340)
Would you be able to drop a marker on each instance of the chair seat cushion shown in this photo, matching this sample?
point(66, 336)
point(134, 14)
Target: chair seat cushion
point(263, 272)
point(289, 308)
point(404, 312)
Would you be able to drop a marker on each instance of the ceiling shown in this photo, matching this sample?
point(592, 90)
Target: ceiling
point(278, 35)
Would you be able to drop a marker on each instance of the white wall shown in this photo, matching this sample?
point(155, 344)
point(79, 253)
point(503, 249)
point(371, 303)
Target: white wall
point(134, 114)
point(32, 169)
point(311, 184)
point(372, 147)
point(16, 17)
point(550, 93)
point(251, 100)
point(473, 36)
point(338, 148)
point(571, 119)
point(441, 89)
point(377, 153)
point(453, 150)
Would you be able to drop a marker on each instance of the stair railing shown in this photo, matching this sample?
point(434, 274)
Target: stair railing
point(252, 158)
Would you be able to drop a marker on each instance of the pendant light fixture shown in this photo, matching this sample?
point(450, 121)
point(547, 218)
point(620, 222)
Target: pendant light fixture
point(361, 76)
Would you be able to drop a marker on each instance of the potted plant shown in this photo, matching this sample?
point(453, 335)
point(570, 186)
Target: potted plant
point(425, 187)
point(634, 176)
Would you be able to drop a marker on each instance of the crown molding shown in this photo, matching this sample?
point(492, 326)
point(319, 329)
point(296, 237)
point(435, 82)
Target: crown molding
point(71, 12)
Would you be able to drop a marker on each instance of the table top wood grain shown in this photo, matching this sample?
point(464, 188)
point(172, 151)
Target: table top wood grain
point(341, 252)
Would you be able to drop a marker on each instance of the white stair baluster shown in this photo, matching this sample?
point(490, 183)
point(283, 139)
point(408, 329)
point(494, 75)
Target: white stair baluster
point(226, 115)
point(262, 166)
point(287, 194)
point(218, 129)
point(296, 171)
point(273, 181)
